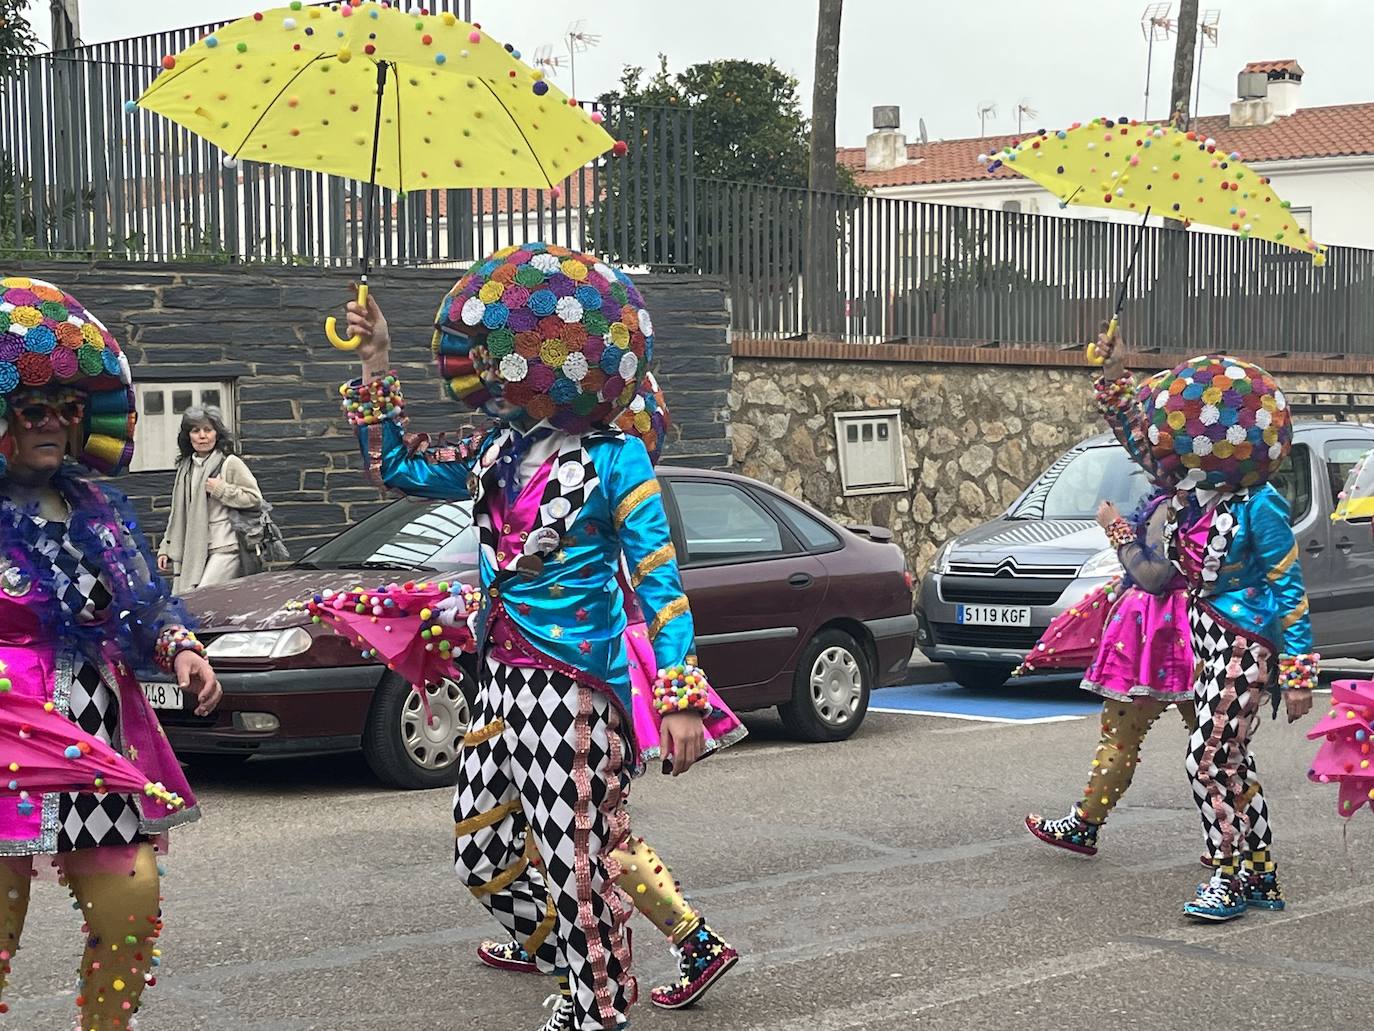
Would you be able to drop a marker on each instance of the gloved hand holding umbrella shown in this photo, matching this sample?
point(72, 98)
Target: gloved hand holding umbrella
point(370, 93)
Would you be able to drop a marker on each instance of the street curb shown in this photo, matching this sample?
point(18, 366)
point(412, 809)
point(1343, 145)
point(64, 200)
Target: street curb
point(927, 673)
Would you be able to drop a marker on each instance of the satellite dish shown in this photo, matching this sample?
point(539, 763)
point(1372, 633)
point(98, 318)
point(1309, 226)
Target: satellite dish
point(923, 137)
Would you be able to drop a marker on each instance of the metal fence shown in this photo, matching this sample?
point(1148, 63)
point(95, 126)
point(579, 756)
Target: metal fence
point(82, 177)
point(898, 269)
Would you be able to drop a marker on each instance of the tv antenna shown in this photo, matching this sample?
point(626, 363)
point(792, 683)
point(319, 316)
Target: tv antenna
point(924, 138)
point(545, 58)
point(1206, 40)
point(1023, 109)
point(579, 41)
point(985, 111)
point(1155, 24)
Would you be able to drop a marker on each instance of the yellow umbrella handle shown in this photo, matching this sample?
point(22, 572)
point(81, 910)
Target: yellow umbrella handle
point(1094, 358)
point(331, 324)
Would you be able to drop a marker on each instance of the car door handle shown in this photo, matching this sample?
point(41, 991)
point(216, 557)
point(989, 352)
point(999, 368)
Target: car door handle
point(1314, 547)
point(800, 580)
point(1344, 545)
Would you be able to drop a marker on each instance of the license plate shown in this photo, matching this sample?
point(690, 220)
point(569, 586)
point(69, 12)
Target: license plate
point(163, 696)
point(993, 615)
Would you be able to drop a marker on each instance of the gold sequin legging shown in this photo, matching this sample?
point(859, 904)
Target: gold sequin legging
point(1124, 726)
point(121, 909)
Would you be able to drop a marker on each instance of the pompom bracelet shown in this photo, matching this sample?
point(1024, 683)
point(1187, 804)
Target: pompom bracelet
point(681, 689)
point(172, 642)
point(366, 404)
point(1120, 533)
point(1299, 672)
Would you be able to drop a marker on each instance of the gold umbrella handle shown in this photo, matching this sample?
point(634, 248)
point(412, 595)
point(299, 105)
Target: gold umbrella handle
point(331, 324)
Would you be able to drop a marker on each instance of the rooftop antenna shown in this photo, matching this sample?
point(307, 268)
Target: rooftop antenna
point(1024, 109)
point(579, 41)
point(1155, 24)
point(1206, 40)
point(924, 138)
point(985, 111)
point(545, 58)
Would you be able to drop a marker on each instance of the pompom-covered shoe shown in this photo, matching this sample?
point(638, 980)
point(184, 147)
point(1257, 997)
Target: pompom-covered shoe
point(1072, 832)
point(1220, 899)
point(703, 958)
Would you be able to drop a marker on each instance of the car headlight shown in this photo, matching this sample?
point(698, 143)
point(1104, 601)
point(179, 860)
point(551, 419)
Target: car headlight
point(1104, 563)
point(941, 563)
point(260, 644)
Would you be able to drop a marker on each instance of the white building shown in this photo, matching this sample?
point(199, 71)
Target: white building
point(1320, 159)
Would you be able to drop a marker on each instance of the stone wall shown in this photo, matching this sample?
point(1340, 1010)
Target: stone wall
point(977, 430)
point(263, 327)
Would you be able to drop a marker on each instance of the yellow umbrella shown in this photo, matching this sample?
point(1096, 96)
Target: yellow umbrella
point(1078, 164)
point(368, 92)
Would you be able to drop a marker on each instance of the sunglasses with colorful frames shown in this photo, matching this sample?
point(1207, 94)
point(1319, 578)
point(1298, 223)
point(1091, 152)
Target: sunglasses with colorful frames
point(35, 413)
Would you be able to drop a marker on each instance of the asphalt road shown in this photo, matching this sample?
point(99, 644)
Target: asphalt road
point(881, 883)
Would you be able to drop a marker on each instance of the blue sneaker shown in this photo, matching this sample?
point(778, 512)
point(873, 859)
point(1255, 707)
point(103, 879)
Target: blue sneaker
point(1220, 899)
point(1262, 890)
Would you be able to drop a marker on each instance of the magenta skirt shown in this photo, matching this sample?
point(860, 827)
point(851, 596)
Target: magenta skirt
point(1145, 651)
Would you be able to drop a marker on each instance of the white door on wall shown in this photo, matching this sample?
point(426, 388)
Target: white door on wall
point(160, 407)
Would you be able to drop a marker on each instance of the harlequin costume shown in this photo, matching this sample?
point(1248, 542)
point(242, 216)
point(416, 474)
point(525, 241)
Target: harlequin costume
point(1135, 636)
point(82, 607)
point(554, 344)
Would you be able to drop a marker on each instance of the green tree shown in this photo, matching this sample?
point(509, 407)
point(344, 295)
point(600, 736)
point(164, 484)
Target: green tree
point(748, 124)
point(17, 38)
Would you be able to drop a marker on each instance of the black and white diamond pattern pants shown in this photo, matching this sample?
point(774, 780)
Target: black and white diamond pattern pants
point(543, 777)
point(1232, 672)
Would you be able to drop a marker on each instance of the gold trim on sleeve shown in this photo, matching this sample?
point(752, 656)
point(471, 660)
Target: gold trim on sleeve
point(656, 558)
point(501, 881)
point(1282, 565)
point(634, 499)
point(534, 941)
point(1296, 614)
point(676, 607)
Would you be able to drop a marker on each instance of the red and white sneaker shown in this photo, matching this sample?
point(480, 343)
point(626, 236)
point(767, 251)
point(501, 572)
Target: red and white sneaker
point(703, 959)
point(506, 956)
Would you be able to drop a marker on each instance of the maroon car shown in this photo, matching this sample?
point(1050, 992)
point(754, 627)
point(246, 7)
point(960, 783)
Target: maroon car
point(791, 610)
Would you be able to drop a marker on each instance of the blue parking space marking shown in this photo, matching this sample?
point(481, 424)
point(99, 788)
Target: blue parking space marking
point(1023, 702)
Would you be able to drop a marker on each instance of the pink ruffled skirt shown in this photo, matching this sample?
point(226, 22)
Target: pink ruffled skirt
point(1145, 650)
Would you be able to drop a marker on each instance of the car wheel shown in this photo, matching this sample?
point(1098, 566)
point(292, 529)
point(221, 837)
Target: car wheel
point(403, 750)
point(986, 676)
point(831, 689)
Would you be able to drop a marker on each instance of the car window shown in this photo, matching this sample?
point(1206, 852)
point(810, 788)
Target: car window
point(1075, 485)
point(405, 534)
point(1341, 457)
point(721, 523)
point(813, 533)
point(1294, 482)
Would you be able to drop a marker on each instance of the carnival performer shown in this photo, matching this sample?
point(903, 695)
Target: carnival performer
point(1219, 428)
point(200, 545)
point(552, 344)
point(703, 957)
point(81, 607)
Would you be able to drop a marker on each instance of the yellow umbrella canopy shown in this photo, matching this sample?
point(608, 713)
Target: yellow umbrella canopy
point(298, 86)
point(1184, 175)
point(1080, 164)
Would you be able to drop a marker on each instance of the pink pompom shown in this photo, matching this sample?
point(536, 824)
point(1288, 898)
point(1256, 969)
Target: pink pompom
point(474, 37)
point(597, 117)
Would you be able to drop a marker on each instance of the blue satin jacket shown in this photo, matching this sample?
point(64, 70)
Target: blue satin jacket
point(1259, 587)
point(602, 499)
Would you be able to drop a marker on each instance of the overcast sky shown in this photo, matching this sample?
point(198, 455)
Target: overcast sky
point(938, 60)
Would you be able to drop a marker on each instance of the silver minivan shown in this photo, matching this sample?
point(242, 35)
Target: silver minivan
point(993, 590)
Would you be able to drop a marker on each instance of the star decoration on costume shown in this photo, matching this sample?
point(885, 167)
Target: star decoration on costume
point(585, 647)
point(561, 555)
point(556, 590)
point(555, 632)
point(591, 530)
point(523, 608)
point(581, 615)
point(132, 753)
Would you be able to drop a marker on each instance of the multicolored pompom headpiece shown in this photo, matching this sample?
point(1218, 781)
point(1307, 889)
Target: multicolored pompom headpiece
point(647, 417)
point(48, 339)
point(1218, 423)
point(546, 331)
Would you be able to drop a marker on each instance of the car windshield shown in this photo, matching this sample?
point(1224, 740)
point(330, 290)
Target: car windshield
point(1074, 486)
point(416, 535)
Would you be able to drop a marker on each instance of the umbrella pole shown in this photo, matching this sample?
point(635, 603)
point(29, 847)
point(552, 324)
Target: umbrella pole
point(1115, 323)
point(369, 219)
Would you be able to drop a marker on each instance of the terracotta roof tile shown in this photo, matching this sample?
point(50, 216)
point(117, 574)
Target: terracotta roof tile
point(1286, 65)
point(1341, 130)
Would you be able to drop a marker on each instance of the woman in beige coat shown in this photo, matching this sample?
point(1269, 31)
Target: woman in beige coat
point(200, 546)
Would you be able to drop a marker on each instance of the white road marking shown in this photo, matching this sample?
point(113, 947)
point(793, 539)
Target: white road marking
point(976, 719)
